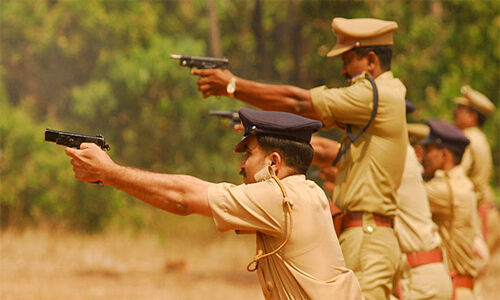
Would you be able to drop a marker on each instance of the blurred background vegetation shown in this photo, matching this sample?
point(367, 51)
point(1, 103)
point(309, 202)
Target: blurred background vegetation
point(103, 67)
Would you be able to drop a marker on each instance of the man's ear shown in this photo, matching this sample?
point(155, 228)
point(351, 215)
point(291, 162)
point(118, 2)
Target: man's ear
point(448, 158)
point(372, 60)
point(276, 160)
point(474, 117)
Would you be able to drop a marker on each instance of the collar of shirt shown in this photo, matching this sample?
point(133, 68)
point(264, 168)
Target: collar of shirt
point(362, 75)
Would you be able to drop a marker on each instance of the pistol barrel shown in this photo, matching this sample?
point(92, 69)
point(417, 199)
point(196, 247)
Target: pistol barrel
point(200, 62)
point(74, 140)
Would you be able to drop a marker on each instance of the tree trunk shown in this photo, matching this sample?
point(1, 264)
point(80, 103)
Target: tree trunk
point(215, 45)
point(263, 60)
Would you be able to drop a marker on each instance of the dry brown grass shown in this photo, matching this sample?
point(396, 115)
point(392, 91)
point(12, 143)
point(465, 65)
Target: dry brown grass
point(48, 264)
point(43, 264)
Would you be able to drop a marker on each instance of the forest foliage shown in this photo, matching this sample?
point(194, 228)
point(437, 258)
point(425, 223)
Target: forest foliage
point(103, 67)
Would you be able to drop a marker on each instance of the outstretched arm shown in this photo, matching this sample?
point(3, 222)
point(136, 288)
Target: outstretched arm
point(178, 194)
point(288, 98)
point(325, 151)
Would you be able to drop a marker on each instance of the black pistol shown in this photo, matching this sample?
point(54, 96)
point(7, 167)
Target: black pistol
point(74, 140)
point(232, 115)
point(201, 62)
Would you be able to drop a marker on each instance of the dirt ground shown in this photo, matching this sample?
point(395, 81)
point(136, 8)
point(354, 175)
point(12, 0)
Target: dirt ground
point(39, 264)
point(43, 264)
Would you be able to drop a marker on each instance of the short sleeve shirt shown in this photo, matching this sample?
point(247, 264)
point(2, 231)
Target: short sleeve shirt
point(370, 171)
point(477, 163)
point(311, 264)
point(413, 224)
point(453, 207)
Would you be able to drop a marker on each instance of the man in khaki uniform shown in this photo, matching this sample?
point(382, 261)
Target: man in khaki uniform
point(470, 114)
point(369, 172)
point(422, 273)
point(452, 202)
point(298, 255)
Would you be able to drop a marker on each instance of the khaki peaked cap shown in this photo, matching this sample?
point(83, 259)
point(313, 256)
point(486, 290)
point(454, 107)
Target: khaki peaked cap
point(419, 130)
point(360, 33)
point(476, 100)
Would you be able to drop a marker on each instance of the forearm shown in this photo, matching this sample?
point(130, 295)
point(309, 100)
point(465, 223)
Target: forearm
point(288, 98)
point(325, 151)
point(275, 97)
point(178, 194)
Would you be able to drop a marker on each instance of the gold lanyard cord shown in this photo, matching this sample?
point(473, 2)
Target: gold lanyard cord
point(260, 254)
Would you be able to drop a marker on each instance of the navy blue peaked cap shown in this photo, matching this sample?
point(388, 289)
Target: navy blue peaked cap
point(410, 107)
point(276, 123)
point(446, 135)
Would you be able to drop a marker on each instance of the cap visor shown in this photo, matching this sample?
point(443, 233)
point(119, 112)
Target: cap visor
point(461, 100)
point(410, 107)
point(339, 49)
point(240, 147)
point(428, 140)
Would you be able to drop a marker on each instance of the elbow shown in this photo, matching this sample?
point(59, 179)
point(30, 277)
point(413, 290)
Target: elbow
point(304, 108)
point(181, 208)
point(301, 103)
point(177, 205)
point(185, 199)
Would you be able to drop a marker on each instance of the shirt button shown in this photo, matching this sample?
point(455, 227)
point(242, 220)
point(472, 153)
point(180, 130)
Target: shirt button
point(369, 229)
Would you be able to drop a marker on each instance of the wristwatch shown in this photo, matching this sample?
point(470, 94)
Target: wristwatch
point(231, 87)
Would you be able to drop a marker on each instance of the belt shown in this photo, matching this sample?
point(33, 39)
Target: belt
point(336, 217)
point(460, 281)
point(463, 282)
point(419, 258)
point(355, 218)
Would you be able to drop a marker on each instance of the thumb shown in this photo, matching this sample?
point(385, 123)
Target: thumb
point(70, 152)
point(238, 127)
point(198, 72)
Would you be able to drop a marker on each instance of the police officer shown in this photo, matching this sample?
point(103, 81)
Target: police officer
point(452, 202)
point(422, 273)
point(370, 170)
point(470, 114)
point(298, 255)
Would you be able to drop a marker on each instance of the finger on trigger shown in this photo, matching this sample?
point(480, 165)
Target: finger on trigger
point(86, 145)
point(70, 152)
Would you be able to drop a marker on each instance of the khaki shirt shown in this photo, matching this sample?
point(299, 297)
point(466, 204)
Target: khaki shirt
point(453, 206)
point(477, 164)
point(311, 264)
point(413, 224)
point(370, 171)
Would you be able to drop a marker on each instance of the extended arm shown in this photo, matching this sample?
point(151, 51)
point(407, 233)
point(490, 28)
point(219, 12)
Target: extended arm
point(265, 96)
point(178, 194)
point(325, 151)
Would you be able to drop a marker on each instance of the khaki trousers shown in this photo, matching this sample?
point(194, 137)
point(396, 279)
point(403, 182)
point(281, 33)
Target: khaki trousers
point(464, 294)
point(372, 252)
point(429, 281)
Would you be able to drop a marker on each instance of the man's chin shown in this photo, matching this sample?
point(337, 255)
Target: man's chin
point(247, 180)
